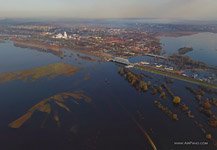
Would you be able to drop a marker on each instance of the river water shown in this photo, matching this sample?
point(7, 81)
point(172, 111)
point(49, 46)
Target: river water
point(101, 125)
point(204, 45)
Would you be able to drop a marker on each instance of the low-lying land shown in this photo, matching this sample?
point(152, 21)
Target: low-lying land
point(175, 34)
point(39, 45)
point(165, 96)
point(47, 106)
point(49, 71)
point(185, 62)
point(2, 39)
point(184, 50)
point(176, 76)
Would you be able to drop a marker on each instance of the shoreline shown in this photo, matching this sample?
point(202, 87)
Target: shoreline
point(2, 39)
point(175, 34)
point(37, 45)
point(176, 76)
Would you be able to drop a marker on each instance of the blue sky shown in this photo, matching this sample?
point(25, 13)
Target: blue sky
point(166, 9)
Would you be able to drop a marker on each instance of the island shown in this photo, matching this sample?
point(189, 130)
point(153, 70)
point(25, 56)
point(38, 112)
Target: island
point(46, 106)
point(185, 50)
point(49, 71)
point(38, 45)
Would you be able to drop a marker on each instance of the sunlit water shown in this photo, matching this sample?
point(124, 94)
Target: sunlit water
point(101, 125)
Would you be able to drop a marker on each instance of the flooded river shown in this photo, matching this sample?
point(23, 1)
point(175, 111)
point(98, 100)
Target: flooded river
point(108, 122)
point(204, 46)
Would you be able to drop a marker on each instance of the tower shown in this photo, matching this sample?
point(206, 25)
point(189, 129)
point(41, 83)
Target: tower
point(65, 35)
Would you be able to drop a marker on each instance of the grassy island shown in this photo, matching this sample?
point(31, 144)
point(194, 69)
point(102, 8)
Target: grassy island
point(49, 71)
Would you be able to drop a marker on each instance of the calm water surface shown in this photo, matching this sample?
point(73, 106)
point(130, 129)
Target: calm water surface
point(204, 45)
point(101, 125)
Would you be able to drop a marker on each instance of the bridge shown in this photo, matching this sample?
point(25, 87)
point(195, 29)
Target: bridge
point(121, 60)
point(157, 56)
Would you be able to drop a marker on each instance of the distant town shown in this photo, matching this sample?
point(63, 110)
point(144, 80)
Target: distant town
point(102, 40)
point(114, 42)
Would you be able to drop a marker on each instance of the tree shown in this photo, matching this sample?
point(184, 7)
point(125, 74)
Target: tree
point(176, 100)
point(143, 86)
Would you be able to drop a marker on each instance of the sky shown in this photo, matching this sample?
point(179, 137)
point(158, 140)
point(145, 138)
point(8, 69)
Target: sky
point(164, 9)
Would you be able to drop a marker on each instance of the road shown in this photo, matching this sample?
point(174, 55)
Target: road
point(176, 76)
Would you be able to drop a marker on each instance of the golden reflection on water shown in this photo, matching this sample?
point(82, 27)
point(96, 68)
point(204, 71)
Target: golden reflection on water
point(46, 107)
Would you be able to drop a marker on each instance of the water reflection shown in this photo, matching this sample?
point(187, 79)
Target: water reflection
point(106, 125)
point(47, 106)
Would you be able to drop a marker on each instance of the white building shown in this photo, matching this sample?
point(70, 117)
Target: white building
point(65, 36)
point(144, 63)
point(60, 36)
point(159, 66)
point(169, 68)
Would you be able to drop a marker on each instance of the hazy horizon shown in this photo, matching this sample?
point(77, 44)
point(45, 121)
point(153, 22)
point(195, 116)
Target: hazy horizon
point(102, 9)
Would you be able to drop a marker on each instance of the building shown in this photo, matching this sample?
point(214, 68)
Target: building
point(65, 36)
point(144, 63)
point(60, 36)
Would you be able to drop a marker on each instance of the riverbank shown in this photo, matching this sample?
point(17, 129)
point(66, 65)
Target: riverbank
point(185, 50)
point(49, 71)
point(176, 76)
point(38, 45)
point(204, 47)
point(174, 34)
point(2, 39)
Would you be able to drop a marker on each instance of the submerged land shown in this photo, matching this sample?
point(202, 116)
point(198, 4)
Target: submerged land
point(204, 105)
point(49, 71)
point(109, 83)
point(46, 106)
point(108, 41)
point(185, 50)
point(39, 45)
